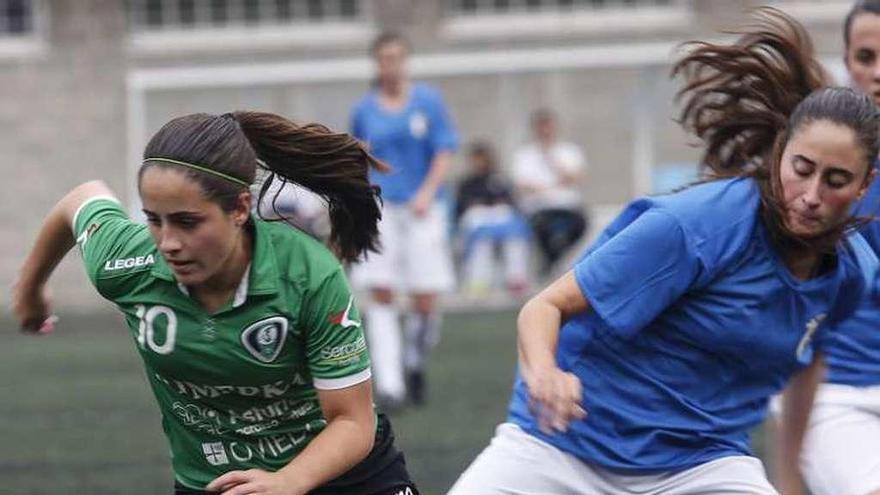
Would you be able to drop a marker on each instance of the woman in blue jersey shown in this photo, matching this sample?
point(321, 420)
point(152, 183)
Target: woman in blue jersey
point(406, 125)
point(840, 454)
point(248, 331)
point(644, 368)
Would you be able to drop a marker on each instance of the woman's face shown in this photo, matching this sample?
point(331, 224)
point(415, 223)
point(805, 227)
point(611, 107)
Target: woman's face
point(194, 235)
point(391, 62)
point(480, 163)
point(823, 171)
point(863, 54)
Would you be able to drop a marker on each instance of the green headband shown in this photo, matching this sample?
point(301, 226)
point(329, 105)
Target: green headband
point(201, 169)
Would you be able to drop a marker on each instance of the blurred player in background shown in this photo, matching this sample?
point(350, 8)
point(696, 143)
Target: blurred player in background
point(644, 369)
point(841, 451)
point(247, 329)
point(406, 125)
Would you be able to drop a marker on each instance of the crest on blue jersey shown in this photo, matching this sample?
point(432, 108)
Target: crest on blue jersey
point(809, 332)
point(418, 125)
point(265, 338)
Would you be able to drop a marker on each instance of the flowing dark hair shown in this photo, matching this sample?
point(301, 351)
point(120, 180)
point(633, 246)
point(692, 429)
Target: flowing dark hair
point(333, 165)
point(746, 100)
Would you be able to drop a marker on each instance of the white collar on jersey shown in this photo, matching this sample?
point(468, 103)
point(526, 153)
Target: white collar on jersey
point(240, 291)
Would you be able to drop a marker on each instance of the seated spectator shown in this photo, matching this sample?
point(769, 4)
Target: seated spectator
point(548, 175)
point(488, 222)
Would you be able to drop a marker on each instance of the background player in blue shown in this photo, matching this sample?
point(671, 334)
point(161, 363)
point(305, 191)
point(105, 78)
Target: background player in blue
point(840, 454)
point(644, 368)
point(248, 330)
point(406, 125)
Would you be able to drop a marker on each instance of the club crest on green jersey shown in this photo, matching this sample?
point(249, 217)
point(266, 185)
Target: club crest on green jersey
point(265, 338)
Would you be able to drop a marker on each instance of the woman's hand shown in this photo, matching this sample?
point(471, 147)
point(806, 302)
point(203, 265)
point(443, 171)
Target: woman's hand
point(421, 203)
point(31, 307)
point(254, 482)
point(554, 398)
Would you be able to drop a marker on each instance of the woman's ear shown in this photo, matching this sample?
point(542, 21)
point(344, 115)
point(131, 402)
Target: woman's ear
point(242, 210)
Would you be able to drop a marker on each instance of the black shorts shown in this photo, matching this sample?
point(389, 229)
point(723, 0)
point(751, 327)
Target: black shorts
point(382, 472)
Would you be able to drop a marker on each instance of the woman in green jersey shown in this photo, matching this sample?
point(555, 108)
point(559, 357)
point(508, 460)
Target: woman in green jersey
point(250, 337)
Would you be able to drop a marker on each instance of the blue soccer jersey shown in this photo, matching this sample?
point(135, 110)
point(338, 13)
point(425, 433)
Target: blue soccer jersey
point(695, 323)
point(407, 140)
point(853, 349)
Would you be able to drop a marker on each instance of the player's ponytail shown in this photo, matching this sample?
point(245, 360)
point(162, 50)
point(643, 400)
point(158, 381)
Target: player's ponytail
point(333, 165)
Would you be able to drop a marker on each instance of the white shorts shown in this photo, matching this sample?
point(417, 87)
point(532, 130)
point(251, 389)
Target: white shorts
point(841, 454)
point(516, 463)
point(415, 253)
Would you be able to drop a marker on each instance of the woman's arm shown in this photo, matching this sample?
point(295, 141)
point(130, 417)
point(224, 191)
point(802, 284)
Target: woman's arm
point(54, 240)
point(797, 402)
point(424, 197)
point(555, 395)
point(347, 440)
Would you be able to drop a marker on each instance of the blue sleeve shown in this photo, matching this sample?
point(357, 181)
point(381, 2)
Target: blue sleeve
point(356, 126)
point(442, 131)
point(630, 278)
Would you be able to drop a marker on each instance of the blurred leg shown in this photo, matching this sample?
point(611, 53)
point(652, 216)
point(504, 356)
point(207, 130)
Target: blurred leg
point(516, 265)
point(422, 335)
point(383, 333)
point(478, 265)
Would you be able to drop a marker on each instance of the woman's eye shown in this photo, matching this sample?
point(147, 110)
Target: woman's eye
point(837, 181)
point(865, 56)
point(802, 168)
point(188, 223)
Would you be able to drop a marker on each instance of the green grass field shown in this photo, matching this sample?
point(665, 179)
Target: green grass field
point(76, 415)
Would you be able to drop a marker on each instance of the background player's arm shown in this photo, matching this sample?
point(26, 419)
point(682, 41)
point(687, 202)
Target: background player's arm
point(444, 141)
point(424, 197)
point(797, 402)
point(347, 439)
point(555, 395)
point(54, 239)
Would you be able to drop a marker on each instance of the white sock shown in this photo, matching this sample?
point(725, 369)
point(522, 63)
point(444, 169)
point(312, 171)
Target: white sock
point(422, 335)
point(383, 334)
point(516, 261)
point(479, 264)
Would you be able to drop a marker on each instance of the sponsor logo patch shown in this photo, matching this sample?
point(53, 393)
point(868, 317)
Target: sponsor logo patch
point(215, 453)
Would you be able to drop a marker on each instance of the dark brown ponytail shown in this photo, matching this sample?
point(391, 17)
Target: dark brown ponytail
point(333, 165)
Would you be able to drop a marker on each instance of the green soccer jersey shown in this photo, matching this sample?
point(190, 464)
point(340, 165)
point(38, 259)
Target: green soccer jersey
point(237, 388)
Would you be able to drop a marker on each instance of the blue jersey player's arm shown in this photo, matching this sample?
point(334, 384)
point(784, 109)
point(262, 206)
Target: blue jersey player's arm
point(627, 281)
point(444, 141)
point(54, 240)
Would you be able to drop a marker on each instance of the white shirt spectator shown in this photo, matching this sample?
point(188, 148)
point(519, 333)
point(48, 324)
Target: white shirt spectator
point(539, 174)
